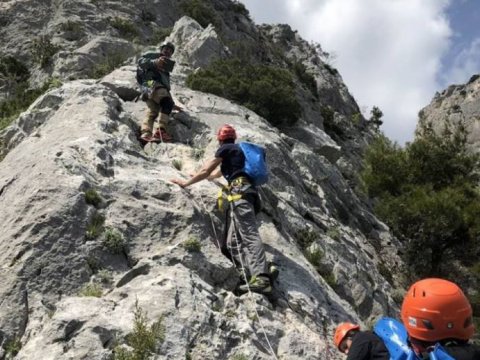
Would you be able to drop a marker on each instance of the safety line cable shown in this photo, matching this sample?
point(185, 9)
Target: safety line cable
point(242, 269)
point(250, 295)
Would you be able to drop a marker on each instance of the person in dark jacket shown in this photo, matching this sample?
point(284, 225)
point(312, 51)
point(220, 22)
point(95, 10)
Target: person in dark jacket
point(438, 316)
point(156, 92)
point(359, 345)
point(241, 241)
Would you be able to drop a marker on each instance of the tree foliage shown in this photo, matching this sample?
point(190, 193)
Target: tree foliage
point(267, 90)
point(428, 194)
point(201, 11)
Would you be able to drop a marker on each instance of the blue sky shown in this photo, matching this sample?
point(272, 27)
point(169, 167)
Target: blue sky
point(394, 54)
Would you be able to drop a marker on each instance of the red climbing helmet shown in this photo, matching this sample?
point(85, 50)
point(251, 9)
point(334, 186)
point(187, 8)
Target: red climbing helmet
point(226, 132)
point(437, 309)
point(342, 331)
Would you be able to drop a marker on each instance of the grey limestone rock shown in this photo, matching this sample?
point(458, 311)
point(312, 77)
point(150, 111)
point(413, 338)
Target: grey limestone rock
point(60, 244)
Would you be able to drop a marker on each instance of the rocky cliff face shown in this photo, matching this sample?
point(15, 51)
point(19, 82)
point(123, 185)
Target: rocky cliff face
point(458, 105)
point(137, 247)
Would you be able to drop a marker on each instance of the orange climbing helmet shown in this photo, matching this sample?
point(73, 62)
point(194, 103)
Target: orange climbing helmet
point(435, 310)
point(342, 331)
point(226, 132)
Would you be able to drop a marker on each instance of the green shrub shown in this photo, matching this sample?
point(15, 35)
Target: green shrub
point(385, 168)
point(22, 98)
point(93, 263)
point(197, 153)
point(305, 237)
point(330, 69)
point(125, 27)
point(267, 90)
point(376, 117)
point(71, 26)
point(356, 119)
point(42, 50)
point(92, 290)
point(330, 280)
point(105, 277)
point(314, 257)
point(13, 69)
point(201, 11)
point(427, 194)
point(159, 34)
point(143, 340)
point(177, 164)
point(114, 241)
point(334, 233)
point(192, 244)
point(385, 272)
point(331, 127)
point(305, 77)
point(147, 16)
point(107, 65)
point(239, 8)
point(12, 347)
point(239, 357)
point(92, 197)
point(95, 228)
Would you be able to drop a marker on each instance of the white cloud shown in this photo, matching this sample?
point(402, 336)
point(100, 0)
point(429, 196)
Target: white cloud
point(466, 64)
point(388, 51)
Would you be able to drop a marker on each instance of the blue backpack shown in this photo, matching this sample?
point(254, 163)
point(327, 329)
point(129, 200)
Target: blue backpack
point(395, 337)
point(255, 163)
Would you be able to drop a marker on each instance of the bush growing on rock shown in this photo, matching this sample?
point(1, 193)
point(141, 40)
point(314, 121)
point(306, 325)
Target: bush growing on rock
point(159, 34)
point(13, 71)
point(95, 227)
point(201, 11)
point(91, 289)
point(42, 50)
point(125, 27)
point(12, 348)
point(267, 90)
point(92, 198)
point(143, 340)
point(192, 244)
point(107, 65)
point(114, 241)
point(21, 98)
point(305, 77)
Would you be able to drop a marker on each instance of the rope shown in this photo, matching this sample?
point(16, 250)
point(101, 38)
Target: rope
point(211, 221)
point(242, 269)
point(248, 286)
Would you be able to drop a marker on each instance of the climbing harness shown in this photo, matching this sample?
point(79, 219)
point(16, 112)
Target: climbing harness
point(225, 191)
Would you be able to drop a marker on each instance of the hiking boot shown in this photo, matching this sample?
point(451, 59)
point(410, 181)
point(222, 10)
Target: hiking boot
point(259, 284)
point(273, 271)
point(162, 135)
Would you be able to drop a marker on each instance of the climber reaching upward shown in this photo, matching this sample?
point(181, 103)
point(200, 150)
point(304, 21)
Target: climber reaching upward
point(241, 239)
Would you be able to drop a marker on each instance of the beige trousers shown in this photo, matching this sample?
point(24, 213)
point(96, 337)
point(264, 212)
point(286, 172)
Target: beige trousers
point(154, 108)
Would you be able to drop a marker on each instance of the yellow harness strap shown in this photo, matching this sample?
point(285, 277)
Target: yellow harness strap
point(226, 190)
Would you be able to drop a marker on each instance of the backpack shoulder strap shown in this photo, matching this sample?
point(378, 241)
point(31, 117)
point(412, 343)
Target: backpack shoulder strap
point(394, 336)
point(439, 353)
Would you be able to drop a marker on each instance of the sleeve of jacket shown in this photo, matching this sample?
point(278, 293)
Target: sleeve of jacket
point(359, 351)
point(147, 61)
